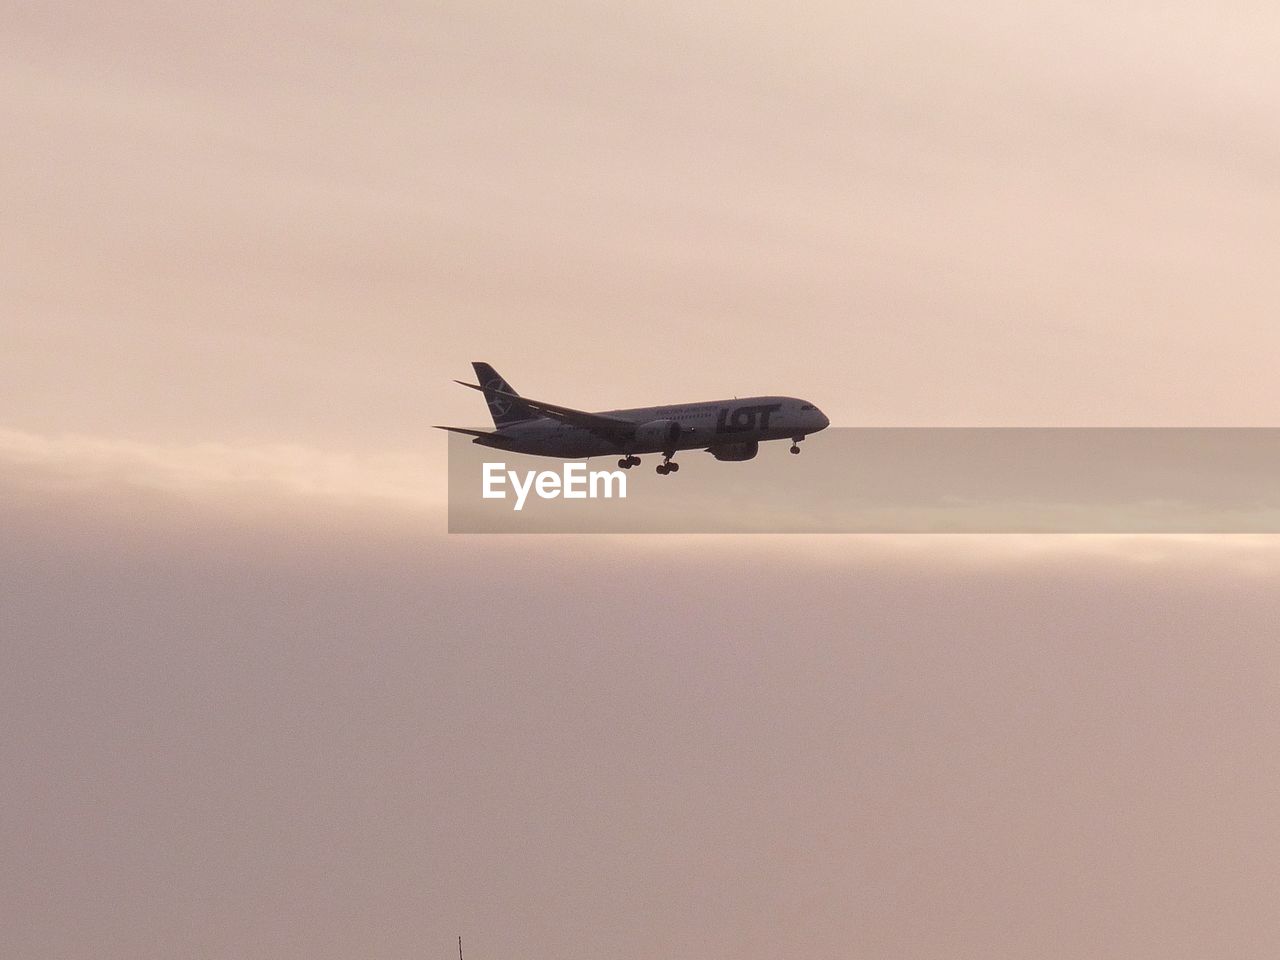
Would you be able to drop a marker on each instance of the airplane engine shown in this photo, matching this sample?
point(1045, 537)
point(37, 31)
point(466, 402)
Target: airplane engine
point(745, 450)
point(660, 434)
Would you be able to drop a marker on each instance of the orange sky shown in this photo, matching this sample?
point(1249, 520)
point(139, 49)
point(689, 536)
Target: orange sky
point(259, 706)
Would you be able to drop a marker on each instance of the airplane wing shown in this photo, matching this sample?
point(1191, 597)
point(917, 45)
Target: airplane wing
point(612, 429)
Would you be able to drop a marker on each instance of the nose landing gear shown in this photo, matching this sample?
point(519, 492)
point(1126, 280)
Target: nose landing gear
point(795, 444)
point(629, 461)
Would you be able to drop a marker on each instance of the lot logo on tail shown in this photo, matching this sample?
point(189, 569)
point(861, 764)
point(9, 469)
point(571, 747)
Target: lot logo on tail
point(499, 403)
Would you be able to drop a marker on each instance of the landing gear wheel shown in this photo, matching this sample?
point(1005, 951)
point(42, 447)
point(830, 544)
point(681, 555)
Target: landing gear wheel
point(633, 460)
point(795, 448)
point(673, 466)
point(625, 463)
point(663, 469)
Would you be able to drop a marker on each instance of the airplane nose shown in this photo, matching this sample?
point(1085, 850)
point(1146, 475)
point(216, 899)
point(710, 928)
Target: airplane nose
point(823, 422)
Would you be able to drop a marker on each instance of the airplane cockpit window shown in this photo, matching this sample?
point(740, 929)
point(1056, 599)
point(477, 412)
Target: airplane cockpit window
point(806, 406)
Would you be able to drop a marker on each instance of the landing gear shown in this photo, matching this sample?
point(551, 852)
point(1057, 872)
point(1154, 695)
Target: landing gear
point(668, 465)
point(795, 444)
point(629, 461)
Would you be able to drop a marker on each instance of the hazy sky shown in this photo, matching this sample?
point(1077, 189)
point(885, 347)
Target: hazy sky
point(257, 705)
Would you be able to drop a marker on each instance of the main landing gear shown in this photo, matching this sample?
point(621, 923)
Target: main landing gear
point(668, 465)
point(629, 461)
point(795, 444)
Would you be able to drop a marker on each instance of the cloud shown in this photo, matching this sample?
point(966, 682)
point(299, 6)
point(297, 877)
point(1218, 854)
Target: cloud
point(401, 480)
point(256, 705)
point(153, 488)
point(281, 735)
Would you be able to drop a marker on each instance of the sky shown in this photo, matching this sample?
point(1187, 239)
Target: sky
point(256, 701)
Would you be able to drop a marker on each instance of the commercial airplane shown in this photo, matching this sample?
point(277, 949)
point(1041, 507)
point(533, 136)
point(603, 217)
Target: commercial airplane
point(727, 429)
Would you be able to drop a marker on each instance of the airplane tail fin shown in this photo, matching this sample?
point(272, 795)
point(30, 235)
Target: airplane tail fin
point(504, 405)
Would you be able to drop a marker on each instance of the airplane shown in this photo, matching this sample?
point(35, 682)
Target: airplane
point(727, 429)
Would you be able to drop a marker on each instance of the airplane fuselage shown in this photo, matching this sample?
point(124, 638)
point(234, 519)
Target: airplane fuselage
point(715, 425)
